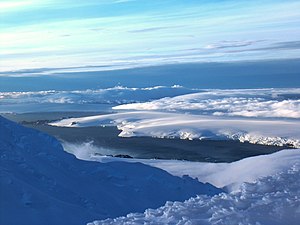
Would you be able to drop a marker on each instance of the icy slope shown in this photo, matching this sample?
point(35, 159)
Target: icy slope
point(272, 200)
point(42, 184)
point(229, 176)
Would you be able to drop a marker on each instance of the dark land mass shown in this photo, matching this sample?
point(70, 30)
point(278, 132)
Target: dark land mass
point(142, 147)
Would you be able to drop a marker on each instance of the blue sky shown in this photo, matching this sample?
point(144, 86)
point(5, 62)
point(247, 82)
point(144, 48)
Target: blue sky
point(128, 33)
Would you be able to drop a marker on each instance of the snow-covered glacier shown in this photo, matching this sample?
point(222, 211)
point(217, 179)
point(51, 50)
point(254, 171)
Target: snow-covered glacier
point(42, 184)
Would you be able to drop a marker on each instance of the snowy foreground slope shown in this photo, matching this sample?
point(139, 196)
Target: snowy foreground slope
point(272, 200)
point(263, 189)
point(42, 184)
point(229, 176)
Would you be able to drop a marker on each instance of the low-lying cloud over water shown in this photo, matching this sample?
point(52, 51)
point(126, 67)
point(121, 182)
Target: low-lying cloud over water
point(283, 103)
point(277, 103)
point(259, 116)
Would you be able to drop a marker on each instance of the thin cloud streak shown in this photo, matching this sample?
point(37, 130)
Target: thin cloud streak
point(63, 33)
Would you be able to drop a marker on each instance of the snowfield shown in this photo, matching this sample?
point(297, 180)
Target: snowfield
point(42, 184)
point(229, 176)
point(272, 200)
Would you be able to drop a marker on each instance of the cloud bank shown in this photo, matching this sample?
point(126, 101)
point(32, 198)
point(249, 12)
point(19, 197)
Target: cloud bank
point(283, 103)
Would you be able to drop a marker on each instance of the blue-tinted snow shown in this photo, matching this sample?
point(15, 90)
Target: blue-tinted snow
point(42, 184)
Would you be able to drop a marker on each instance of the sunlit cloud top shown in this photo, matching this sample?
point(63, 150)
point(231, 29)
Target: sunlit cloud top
point(90, 34)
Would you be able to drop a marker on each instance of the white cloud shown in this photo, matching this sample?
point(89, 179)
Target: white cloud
point(247, 103)
point(123, 1)
point(184, 126)
point(13, 5)
point(70, 38)
point(211, 114)
point(231, 44)
point(114, 95)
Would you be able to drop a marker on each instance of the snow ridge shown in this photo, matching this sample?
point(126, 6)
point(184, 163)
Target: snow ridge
point(273, 200)
point(42, 184)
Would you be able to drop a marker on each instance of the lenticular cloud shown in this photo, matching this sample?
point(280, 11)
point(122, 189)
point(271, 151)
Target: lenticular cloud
point(278, 103)
point(246, 103)
point(258, 116)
